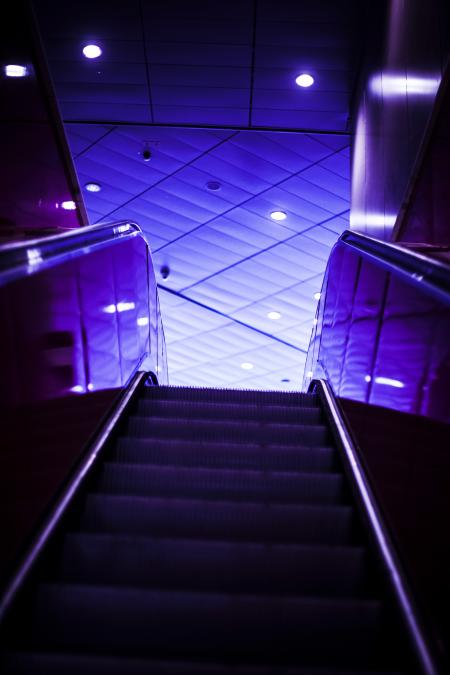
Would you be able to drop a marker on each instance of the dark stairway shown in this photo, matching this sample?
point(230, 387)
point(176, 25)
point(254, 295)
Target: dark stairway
point(217, 535)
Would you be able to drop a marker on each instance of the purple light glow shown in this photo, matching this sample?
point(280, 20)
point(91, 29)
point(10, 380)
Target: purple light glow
point(68, 205)
point(391, 85)
point(304, 80)
point(92, 51)
point(12, 70)
point(389, 382)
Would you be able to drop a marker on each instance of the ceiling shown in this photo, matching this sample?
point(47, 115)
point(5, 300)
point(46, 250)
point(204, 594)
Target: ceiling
point(208, 88)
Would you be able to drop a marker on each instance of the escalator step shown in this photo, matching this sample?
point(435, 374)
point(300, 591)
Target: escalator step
point(329, 525)
point(224, 455)
point(226, 484)
point(233, 411)
point(213, 565)
point(241, 396)
point(137, 622)
point(226, 430)
point(70, 664)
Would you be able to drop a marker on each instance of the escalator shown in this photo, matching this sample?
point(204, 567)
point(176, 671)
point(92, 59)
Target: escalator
point(217, 531)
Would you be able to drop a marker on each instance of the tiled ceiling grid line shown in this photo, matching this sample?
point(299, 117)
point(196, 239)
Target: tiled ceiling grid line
point(245, 201)
point(180, 294)
point(306, 227)
point(181, 79)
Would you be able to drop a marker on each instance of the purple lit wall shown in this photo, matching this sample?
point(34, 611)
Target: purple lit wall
point(427, 215)
point(38, 187)
point(407, 47)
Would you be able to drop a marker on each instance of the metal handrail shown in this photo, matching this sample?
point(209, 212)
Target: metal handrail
point(431, 275)
point(379, 532)
point(20, 259)
point(76, 482)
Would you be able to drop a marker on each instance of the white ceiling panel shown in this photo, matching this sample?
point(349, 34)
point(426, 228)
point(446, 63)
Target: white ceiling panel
point(209, 89)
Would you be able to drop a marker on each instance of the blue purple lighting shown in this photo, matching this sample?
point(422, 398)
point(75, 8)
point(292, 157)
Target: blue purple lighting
point(278, 215)
point(304, 80)
point(391, 85)
point(359, 219)
point(120, 307)
point(390, 382)
point(247, 365)
point(34, 256)
point(93, 187)
point(92, 51)
point(68, 205)
point(13, 70)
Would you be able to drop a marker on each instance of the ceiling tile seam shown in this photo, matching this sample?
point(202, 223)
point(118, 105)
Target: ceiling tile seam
point(211, 127)
point(170, 175)
point(147, 63)
point(312, 137)
point(334, 194)
point(269, 296)
point(252, 66)
point(230, 318)
point(264, 250)
point(237, 206)
point(265, 298)
point(94, 143)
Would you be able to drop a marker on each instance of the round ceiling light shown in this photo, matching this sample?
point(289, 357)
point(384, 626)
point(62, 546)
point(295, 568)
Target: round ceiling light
point(278, 215)
point(213, 185)
point(93, 187)
point(304, 80)
point(92, 51)
point(317, 296)
point(247, 365)
point(274, 315)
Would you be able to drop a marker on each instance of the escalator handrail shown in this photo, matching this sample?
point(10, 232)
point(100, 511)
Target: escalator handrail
point(431, 275)
point(76, 481)
point(420, 641)
point(20, 259)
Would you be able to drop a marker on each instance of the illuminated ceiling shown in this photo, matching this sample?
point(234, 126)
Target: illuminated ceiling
point(209, 90)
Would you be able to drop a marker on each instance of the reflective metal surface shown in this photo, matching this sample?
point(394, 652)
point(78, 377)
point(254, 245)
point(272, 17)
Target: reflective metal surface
point(381, 341)
point(406, 50)
point(75, 331)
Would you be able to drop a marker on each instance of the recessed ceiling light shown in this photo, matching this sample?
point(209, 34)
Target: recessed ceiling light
point(12, 70)
point(93, 187)
point(304, 80)
point(92, 51)
point(213, 185)
point(68, 206)
point(309, 373)
point(317, 296)
point(278, 215)
point(274, 315)
point(247, 365)
point(367, 378)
